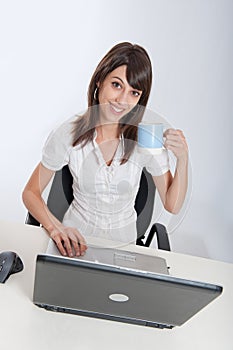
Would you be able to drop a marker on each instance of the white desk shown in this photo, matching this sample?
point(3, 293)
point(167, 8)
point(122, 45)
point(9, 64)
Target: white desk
point(24, 326)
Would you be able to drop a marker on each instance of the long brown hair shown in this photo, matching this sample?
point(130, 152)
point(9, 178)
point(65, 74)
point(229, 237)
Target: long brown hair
point(139, 76)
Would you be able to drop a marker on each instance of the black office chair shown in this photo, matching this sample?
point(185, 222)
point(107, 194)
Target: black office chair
point(61, 195)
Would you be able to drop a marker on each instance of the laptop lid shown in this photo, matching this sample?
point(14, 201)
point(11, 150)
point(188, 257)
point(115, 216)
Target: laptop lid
point(118, 293)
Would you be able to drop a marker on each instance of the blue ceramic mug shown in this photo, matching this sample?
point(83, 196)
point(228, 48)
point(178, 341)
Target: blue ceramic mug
point(150, 137)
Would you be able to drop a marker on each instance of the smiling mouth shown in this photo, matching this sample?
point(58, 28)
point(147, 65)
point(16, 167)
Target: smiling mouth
point(117, 109)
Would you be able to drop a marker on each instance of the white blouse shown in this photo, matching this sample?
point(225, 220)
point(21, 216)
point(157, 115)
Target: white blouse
point(104, 196)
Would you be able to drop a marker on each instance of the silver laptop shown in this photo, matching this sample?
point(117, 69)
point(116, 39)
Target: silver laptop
point(119, 257)
point(118, 293)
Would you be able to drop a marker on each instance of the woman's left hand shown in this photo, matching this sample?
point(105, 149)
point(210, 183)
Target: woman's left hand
point(175, 141)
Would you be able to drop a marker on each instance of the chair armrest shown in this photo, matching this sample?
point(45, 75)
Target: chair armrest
point(162, 237)
point(30, 220)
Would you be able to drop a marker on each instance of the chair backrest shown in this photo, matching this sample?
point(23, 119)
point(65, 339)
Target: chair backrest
point(61, 193)
point(61, 196)
point(144, 203)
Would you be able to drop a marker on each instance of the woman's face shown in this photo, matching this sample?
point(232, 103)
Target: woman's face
point(116, 96)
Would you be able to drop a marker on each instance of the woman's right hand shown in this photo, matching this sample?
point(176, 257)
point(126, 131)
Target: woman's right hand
point(68, 240)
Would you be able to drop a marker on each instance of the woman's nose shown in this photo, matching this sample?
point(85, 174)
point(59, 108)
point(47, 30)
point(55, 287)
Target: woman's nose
point(122, 97)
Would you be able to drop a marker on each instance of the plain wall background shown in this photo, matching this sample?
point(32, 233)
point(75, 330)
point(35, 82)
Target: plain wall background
point(49, 50)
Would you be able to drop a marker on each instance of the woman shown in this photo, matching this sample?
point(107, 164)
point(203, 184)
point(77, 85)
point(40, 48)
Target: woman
point(101, 150)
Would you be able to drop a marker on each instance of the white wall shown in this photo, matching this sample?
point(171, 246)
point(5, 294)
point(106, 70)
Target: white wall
point(49, 49)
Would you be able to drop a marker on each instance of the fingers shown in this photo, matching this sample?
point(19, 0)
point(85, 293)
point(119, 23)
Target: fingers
point(176, 142)
point(172, 143)
point(58, 241)
point(171, 133)
point(69, 242)
point(76, 248)
point(79, 248)
point(82, 244)
point(62, 242)
point(78, 242)
point(82, 249)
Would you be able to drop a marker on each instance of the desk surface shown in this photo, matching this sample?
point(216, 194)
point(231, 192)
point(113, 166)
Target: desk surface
point(25, 326)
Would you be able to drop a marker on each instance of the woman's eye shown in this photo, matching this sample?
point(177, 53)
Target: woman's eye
point(116, 85)
point(136, 93)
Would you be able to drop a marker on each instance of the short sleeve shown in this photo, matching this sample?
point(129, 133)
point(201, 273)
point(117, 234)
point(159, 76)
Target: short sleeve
point(158, 164)
point(55, 153)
